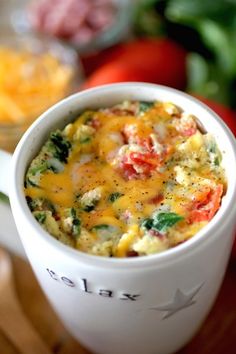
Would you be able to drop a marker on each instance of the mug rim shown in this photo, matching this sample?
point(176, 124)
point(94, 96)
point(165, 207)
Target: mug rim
point(17, 195)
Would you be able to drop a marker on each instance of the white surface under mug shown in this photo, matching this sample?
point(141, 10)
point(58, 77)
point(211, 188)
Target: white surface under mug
point(143, 305)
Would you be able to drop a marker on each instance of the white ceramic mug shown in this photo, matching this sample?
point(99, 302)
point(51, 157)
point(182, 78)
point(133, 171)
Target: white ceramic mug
point(143, 305)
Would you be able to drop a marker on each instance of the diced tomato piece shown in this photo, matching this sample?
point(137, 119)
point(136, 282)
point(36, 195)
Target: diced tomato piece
point(131, 253)
point(128, 171)
point(147, 158)
point(186, 126)
point(189, 132)
point(157, 199)
point(139, 165)
point(205, 209)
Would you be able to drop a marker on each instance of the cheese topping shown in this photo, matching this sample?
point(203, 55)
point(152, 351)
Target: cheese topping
point(131, 180)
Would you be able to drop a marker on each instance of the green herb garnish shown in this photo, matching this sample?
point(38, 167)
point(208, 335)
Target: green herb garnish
point(38, 169)
point(100, 227)
point(60, 145)
point(147, 223)
point(76, 223)
point(40, 217)
point(114, 196)
point(40, 204)
point(145, 106)
point(161, 221)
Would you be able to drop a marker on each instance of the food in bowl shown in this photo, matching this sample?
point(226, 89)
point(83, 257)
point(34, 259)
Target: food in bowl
point(130, 180)
point(30, 83)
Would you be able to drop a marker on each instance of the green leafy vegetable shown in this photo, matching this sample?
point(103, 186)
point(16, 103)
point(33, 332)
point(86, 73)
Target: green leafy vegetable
point(206, 28)
point(147, 223)
point(60, 146)
point(202, 79)
point(100, 227)
point(161, 221)
point(40, 217)
point(145, 106)
point(90, 207)
point(76, 223)
point(114, 196)
point(40, 204)
point(215, 22)
point(217, 161)
point(38, 169)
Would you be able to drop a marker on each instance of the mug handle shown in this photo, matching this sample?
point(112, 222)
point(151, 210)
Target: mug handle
point(5, 163)
point(9, 237)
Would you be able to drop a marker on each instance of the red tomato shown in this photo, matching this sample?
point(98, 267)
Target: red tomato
point(226, 114)
point(159, 61)
point(115, 72)
point(128, 171)
point(205, 209)
point(229, 117)
point(148, 158)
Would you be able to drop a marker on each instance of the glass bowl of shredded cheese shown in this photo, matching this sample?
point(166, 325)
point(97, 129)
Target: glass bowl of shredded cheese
point(35, 73)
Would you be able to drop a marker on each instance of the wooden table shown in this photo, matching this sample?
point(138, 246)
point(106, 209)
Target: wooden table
point(217, 336)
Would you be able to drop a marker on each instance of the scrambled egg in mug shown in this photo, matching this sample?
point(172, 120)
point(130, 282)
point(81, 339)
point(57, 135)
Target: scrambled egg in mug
point(131, 180)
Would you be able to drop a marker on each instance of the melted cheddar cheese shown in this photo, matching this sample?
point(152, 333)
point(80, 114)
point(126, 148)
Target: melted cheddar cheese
point(130, 180)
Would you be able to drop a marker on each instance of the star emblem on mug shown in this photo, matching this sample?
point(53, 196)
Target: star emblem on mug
point(181, 300)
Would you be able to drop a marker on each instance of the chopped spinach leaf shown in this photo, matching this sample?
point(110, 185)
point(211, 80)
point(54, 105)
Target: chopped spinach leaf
point(100, 227)
point(89, 205)
point(147, 223)
point(40, 217)
point(161, 221)
point(40, 204)
point(76, 223)
point(76, 227)
point(89, 208)
point(60, 145)
point(145, 106)
point(29, 182)
point(114, 196)
point(73, 212)
point(38, 169)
